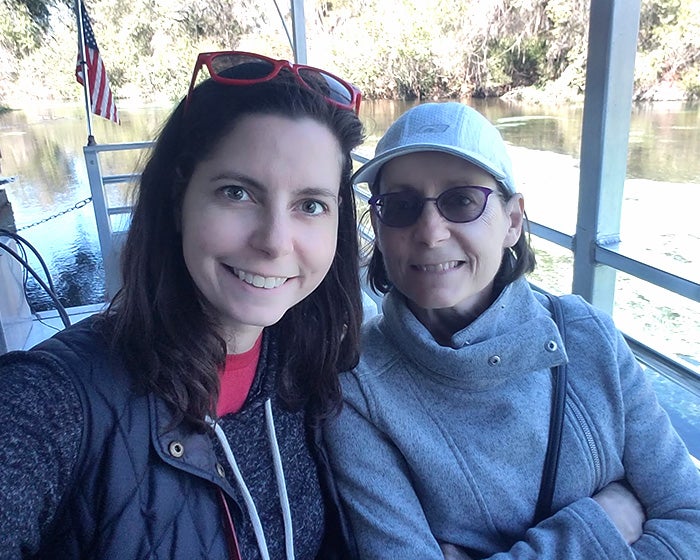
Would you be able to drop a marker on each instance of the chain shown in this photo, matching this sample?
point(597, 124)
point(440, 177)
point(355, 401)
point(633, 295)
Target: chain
point(76, 206)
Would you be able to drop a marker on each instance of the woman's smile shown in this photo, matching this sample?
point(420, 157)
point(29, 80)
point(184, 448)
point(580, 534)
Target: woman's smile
point(258, 280)
point(440, 267)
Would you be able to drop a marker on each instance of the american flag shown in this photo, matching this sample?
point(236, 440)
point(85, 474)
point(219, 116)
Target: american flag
point(100, 90)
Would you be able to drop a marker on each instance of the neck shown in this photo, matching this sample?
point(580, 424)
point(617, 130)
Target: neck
point(443, 323)
point(241, 340)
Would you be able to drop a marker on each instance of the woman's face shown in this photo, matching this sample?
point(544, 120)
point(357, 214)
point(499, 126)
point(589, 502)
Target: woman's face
point(440, 266)
point(260, 221)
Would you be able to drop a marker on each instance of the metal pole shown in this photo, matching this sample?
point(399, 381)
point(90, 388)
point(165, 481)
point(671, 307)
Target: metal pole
point(86, 77)
point(299, 31)
point(612, 45)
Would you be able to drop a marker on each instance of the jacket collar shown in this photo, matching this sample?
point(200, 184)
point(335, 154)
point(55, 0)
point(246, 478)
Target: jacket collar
point(487, 351)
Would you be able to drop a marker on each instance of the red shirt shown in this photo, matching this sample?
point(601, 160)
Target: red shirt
point(236, 378)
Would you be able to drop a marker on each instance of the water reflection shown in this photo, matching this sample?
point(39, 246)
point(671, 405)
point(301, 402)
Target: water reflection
point(664, 142)
point(77, 272)
point(70, 247)
point(43, 148)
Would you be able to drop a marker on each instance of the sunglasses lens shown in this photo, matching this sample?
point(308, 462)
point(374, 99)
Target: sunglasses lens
point(458, 204)
point(399, 209)
point(241, 66)
point(462, 204)
point(327, 85)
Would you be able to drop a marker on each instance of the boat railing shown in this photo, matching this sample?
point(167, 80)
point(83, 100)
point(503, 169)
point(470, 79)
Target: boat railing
point(110, 235)
point(111, 239)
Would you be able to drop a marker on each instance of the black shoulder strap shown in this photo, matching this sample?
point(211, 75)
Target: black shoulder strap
point(556, 422)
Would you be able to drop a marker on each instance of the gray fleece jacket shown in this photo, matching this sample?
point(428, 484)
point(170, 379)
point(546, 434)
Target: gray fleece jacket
point(447, 443)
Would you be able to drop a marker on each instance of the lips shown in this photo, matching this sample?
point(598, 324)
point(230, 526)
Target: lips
point(439, 267)
point(265, 282)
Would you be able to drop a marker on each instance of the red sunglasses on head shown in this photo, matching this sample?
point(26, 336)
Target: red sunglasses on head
point(257, 68)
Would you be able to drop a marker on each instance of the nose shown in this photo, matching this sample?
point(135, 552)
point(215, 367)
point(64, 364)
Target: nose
point(274, 234)
point(431, 228)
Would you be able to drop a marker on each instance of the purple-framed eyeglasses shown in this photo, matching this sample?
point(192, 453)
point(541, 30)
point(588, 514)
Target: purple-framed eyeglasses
point(456, 204)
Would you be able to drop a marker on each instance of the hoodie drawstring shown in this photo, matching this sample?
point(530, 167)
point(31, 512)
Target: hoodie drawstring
point(248, 498)
point(281, 485)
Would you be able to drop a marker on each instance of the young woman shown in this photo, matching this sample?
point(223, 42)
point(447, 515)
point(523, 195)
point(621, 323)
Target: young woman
point(180, 422)
point(440, 447)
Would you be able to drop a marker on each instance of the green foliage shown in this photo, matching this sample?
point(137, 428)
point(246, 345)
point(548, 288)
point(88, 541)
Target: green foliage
point(38, 11)
point(19, 34)
point(655, 18)
point(669, 40)
point(691, 83)
point(518, 63)
point(227, 20)
point(404, 49)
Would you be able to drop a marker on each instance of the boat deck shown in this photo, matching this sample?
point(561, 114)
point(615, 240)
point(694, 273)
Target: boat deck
point(45, 324)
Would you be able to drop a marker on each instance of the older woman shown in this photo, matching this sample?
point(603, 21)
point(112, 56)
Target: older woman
point(446, 423)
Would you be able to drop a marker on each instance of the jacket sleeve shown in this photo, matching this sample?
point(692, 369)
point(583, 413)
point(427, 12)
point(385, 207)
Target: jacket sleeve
point(40, 434)
point(385, 518)
point(657, 466)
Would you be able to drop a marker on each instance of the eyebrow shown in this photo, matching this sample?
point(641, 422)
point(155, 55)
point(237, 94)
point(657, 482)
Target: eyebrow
point(249, 181)
point(238, 177)
point(320, 192)
point(403, 186)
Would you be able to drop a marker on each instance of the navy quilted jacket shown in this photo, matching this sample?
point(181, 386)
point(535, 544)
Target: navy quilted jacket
point(141, 488)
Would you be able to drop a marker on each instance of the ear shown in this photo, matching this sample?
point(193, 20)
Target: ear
point(515, 213)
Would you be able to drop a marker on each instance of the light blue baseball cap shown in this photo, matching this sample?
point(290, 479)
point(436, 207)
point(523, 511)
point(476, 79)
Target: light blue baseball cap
point(451, 128)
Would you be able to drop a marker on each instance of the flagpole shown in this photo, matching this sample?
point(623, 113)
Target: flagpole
point(86, 79)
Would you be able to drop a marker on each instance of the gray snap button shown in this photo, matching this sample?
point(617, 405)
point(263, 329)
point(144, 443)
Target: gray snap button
point(176, 449)
point(494, 360)
point(220, 470)
point(551, 346)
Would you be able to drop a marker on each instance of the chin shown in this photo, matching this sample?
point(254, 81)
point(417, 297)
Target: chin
point(256, 318)
point(430, 296)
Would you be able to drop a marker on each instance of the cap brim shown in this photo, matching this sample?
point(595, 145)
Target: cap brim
point(368, 172)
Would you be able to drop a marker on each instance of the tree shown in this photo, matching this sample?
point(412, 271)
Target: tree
point(399, 49)
point(37, 10)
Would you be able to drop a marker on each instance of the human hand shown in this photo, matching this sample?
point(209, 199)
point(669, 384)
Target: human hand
point(452, 552)
point(623, 509)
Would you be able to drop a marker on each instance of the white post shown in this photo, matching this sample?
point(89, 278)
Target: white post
point(86, 77)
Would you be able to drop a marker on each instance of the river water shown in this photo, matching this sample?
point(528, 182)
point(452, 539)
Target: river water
point(42, 149)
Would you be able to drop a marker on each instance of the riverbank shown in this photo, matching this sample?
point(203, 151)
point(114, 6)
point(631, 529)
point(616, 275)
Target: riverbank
point(554, 93)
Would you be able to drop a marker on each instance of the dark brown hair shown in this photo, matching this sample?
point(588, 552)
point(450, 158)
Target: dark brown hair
point(157, 321)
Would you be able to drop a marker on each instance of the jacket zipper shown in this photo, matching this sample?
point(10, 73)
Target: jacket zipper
point(588, 435)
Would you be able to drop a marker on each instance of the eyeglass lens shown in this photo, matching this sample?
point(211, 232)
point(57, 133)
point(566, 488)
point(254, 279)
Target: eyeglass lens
point(326, 83)
point(247, 67)
point(458, 204)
